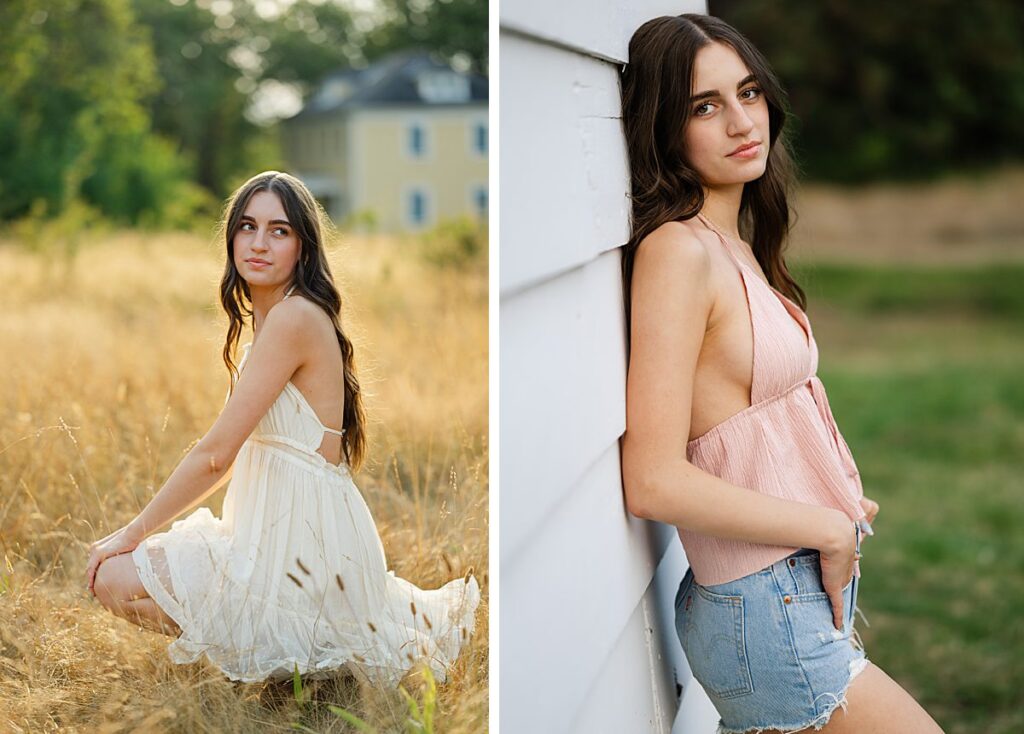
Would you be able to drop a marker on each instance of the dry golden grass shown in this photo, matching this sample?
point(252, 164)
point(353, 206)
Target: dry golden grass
point(958, 220)
point(112, 371)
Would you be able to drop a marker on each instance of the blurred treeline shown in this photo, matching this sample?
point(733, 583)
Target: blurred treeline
point(137, 112)
point(890, 90)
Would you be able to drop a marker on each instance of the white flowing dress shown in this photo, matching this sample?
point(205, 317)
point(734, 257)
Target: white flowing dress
point(290, 517)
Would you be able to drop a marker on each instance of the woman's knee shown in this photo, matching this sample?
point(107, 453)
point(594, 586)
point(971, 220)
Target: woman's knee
point(117, 582)
point(106, 585)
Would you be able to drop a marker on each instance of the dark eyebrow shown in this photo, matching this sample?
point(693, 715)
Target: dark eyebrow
point(272, 221)
point(714, 92)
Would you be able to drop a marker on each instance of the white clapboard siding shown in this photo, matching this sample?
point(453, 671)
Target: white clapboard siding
point(599, 28)
point(586, 626)
point(563, 163)
point(563, 368)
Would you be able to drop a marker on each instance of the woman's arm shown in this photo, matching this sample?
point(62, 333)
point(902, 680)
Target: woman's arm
point(671, 304)
point(281, 351)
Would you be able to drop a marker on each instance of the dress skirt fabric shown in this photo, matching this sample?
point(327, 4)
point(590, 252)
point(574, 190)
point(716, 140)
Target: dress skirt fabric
point(294, 574)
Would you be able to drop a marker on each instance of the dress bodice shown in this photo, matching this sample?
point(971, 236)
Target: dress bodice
point(292, 427)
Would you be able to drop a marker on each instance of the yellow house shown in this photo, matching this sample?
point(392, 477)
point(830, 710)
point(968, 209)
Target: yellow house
point(396, 146)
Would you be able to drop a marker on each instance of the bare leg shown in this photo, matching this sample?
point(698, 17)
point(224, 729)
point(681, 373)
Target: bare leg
point(147, 613)
point(120, 590)
point(877, 704)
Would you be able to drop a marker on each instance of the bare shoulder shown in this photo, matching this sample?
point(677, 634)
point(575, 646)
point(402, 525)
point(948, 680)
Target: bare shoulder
point(674, 245)
point(676, 255)
point(294, 314)
point(312, 328)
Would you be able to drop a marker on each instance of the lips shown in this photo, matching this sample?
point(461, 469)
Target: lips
point(257, 261)
point(747, 146)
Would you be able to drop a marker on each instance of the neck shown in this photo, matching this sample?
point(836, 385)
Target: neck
point(722, 208)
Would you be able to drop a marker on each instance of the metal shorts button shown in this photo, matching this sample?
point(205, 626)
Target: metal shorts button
point(787, 598)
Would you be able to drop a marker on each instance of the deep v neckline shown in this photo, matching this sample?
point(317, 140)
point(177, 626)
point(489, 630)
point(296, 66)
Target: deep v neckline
point(795, 312)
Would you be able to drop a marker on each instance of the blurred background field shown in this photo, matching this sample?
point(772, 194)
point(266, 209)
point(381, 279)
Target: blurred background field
point(909, 242)
point(915, 298)
point(112, 371)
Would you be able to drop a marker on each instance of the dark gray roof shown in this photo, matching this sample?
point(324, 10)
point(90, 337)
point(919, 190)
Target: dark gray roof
point(405, 78)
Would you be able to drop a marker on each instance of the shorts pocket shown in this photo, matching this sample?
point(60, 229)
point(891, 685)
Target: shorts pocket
point(809, 588)
point(821, 594)
point(810, 618)
point(711, 630)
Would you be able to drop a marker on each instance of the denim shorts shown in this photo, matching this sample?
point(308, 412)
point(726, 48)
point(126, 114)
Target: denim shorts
point(764, 646)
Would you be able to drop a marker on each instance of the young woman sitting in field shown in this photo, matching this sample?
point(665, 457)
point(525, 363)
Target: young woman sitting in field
point(293, 573)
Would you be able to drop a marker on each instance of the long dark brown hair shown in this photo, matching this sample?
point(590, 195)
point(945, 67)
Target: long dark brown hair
point(656, 87)
point(312, 278)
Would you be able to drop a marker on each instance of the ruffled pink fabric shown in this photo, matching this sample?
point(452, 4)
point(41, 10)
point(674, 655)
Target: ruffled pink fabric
point(785, 444)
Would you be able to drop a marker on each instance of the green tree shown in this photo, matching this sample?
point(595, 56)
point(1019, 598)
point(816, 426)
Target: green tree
point(72, 99)
point(449, 27)
point(894, 89)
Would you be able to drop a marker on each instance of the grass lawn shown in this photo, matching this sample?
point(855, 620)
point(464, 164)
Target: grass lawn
point(923, 367)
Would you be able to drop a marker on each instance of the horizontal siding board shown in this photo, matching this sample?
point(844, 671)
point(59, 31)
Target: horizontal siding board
point(693, 711)
point(563, 173)
point(696, 715)
point(601, 28)
point(562, 389)
point(668, 661)
point(664, 664)
point(620, 699)
point(567, 595)
point(587, 625)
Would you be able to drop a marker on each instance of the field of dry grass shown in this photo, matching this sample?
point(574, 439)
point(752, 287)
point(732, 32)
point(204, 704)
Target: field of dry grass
point(955, 221)
point(111, 371)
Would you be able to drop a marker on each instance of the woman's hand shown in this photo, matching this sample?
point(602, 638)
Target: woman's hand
point(837, 560)
point(870, 507)
point(124, 540)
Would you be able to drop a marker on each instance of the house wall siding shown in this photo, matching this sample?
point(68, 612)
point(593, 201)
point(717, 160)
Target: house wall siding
point(586, 620)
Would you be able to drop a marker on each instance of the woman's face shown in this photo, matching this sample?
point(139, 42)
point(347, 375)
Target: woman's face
point(735, 114)
point(264, 234)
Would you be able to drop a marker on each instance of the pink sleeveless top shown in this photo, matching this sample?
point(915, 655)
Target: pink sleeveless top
point(786, 444)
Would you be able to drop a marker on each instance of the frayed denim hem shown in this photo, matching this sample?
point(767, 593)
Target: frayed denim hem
point(818, 722)
point(857, 666)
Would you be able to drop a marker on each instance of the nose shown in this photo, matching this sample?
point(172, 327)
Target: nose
point(739, 121)
point(257, 241)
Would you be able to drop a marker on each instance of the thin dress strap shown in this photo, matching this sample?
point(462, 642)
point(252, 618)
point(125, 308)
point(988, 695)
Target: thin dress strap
point(725, 240)
point(289, 291)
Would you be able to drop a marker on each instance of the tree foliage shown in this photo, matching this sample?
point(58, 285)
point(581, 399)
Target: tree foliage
point(72, 109)
point(894, 90)
point(141, 109)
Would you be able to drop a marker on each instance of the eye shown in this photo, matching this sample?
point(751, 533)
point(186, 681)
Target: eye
point(756, 90)
point(243, 225)
point(282, 230)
